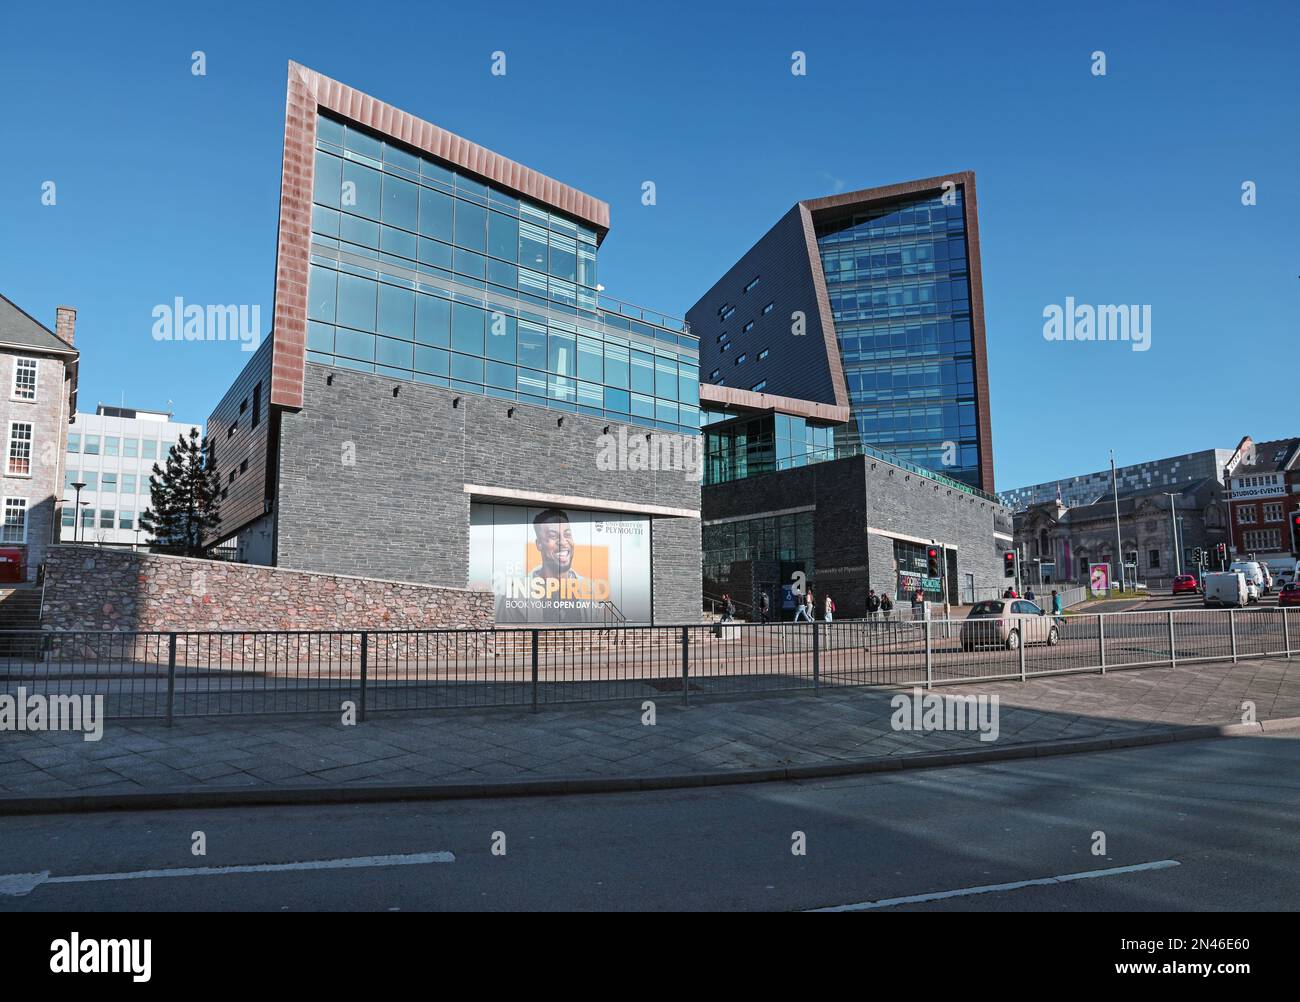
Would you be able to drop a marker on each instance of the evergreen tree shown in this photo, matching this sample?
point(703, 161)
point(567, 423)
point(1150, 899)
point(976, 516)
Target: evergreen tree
point(183, 499)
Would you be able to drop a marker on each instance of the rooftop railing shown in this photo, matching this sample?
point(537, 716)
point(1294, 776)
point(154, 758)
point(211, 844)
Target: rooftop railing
point(842, 451)
point(608, 304)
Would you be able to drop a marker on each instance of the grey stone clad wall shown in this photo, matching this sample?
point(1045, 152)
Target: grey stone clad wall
point(902, 502)
point(856, 493)
point(372, 483)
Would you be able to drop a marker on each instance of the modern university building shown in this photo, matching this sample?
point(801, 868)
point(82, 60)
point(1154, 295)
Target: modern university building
point(443, 376)
point(844, 384)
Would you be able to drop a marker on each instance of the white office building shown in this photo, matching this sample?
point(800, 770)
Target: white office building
point(112, 452)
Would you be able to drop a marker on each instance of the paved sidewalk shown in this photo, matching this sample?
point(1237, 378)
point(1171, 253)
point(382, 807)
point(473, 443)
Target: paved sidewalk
point(842, 725)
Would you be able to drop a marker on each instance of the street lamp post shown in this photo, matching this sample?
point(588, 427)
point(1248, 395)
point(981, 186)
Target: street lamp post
point(1119, 542)
point(79, 486)
point(1173, 521)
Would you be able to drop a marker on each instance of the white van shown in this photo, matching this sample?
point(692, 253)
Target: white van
point(1253, 573)
point(1226, 588)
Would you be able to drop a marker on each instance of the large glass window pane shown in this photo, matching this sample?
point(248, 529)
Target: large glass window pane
point(327, 180)
point(467, 330)
point(361, 190)
point(532, 284)
point(503, 236)
point(401, 202)
point(563, 388)
point(666, 378)
point(469, 263)
point(643, 373)
point(325, 221)
point(587, 266)
point(531, 382)
point(357, 302)
point(395, 241)
point(501, 375)
point(618, 401)
point(396, 313)
point(322, 290)
point(532, 347)
point(590, 360)
point(320, 337)
point(532, 247)
point(432, 321)
point(356, 230)
point(395, 353)
point(643, 406)
point(471, 226)
point(352, 344)
point(563, 292)
point(501, 338)
point(689, 385)
point(329, 130)
point(562, 360)
point(500, 273)
point(564, 257)
point(591, 395)
point(435, 214)
point(400, 158)
point(431, 360)
point(435, 253)
point(467, 368)
point(359, 142)
point(616, 365)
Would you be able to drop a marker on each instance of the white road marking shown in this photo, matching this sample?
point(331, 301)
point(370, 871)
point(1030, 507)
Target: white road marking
point(862, 906)
point(18, 884)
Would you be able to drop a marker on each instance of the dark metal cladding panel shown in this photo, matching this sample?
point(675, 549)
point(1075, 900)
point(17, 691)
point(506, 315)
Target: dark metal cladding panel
point(797, 366)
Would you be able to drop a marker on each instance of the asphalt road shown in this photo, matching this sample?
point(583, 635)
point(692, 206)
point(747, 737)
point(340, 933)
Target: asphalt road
point(1225, 811)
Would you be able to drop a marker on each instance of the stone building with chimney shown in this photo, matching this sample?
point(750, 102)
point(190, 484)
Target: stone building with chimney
point(38, 397)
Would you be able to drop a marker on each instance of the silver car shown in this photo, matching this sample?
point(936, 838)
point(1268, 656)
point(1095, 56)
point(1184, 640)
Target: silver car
point(1009, 622)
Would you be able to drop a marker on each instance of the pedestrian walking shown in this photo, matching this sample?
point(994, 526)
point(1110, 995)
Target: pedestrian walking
point(886, 606)
point(1030, 594)
point(764, 607)
point(873, 605)
point(803, 608)
point(829, 608)
point(728, 608)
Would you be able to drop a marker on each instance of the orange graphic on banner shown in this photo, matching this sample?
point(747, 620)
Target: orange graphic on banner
point(590, 563)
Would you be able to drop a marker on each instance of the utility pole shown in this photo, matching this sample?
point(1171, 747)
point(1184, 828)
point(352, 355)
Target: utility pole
point(1119, 542)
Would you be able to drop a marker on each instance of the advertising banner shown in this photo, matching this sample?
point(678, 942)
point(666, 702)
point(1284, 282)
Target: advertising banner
point(1099, 578)
point(561, 565)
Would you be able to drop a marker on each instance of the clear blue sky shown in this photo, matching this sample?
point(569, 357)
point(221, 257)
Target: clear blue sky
point(1119, 189)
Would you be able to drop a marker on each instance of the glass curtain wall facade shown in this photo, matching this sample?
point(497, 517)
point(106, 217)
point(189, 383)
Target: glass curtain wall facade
point(784, 538)
point(899, 285)
point(762, 444)
point(421, 273)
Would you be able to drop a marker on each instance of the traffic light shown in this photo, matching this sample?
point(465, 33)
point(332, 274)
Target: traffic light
point(1197, 555)
point(1295, 531)
point(1009, 564)
point(932, 562)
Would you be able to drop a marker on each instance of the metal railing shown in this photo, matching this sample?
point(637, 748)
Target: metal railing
point(200, 674)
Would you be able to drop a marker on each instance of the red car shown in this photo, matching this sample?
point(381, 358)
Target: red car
point(1185, 583)
point(1290, 595)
